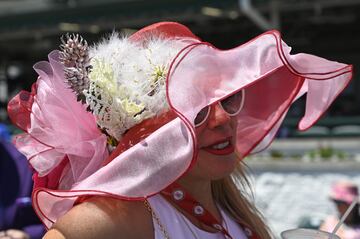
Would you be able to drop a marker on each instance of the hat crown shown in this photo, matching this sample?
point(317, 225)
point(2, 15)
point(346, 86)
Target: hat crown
point(164, 29)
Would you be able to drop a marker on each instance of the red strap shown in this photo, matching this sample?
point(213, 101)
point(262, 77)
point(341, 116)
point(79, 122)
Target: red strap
point(176, 194)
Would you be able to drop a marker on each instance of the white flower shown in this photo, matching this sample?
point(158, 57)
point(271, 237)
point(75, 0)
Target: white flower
point(127, 82)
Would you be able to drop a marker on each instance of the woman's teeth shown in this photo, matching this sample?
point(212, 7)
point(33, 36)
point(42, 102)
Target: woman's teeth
point(221, 145)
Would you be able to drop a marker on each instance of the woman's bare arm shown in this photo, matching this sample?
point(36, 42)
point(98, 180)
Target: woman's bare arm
point(104, 218)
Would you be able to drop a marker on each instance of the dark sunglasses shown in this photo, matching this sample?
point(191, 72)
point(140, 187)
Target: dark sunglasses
point(232, 105)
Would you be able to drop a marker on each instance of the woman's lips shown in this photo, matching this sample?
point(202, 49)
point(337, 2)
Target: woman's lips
point(221, 148)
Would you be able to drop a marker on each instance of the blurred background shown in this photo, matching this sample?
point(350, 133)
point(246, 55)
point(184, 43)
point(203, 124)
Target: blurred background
point(291, 178)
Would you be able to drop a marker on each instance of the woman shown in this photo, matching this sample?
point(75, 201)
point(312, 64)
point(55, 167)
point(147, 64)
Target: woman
point(207, 181)
point(123, 162)
point(342, 194)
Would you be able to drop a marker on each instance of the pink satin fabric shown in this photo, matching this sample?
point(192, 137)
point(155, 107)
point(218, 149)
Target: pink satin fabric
point(271, 77)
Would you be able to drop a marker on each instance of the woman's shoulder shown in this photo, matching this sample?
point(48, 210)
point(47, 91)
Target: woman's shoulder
point(100, 217)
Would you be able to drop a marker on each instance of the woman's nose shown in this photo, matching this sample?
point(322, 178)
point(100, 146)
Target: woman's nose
point(217, 116)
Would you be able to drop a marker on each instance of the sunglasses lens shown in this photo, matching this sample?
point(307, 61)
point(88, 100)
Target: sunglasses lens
point(202, 116)
point(234, 103)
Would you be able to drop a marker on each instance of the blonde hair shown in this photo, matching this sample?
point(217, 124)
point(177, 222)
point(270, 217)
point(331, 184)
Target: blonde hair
point(232, 193)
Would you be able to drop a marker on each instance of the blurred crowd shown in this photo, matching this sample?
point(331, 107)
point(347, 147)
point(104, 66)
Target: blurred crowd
point(17, 218)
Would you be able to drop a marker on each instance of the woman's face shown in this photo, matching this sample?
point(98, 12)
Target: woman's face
point(216, 140)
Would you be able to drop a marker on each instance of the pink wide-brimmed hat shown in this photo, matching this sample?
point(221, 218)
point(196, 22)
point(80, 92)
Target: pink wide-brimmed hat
point(144, 92)
point(344, 191)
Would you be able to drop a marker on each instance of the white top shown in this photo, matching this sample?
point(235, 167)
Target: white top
point(179, 227)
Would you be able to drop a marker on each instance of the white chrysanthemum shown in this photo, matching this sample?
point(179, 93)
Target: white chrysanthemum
point(127, 81)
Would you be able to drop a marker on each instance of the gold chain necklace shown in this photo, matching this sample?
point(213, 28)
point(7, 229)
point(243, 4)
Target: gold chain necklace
point(158, 222)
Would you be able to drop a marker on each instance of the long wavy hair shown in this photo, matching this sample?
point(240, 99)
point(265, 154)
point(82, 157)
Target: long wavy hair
point(233, 194)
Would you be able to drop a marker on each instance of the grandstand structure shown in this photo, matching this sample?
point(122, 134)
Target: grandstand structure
point(30, 29)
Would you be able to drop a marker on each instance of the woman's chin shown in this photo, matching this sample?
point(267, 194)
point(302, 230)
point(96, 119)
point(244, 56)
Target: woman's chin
point(216, 166)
